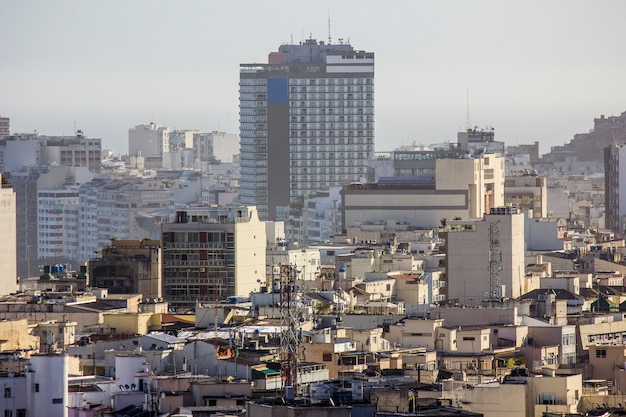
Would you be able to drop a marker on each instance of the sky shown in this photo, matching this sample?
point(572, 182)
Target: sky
point(534, 70)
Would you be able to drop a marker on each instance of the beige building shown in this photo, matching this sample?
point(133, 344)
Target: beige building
point(529, 396)
point(148, 140)
point(468, 248)
point(8, 238)
point(465, 188)
point(213, 253)
point(129, 267)
point(528, 192)
point(14, 335)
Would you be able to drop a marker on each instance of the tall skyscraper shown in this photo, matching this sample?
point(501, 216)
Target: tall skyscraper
point(306, 123)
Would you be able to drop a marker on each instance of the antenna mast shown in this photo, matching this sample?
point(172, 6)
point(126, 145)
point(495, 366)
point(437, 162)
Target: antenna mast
point(467, 104)
point(329, 38)
point(495, 261)
point(289, 336)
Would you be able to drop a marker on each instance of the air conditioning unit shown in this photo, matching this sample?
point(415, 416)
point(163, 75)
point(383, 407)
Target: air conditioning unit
point(202, 269)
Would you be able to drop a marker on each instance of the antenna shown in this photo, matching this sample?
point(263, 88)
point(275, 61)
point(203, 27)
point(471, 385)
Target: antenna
point(329, 38)
point(468, 113)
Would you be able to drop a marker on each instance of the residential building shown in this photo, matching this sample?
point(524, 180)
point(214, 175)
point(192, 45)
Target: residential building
point(527, 192)
point(485, 258)
point(38, 390)
point(129, 267)
point(31, 150)
point(215, 147)
point(119, 209)
point(8, 237)
point(57, 224)
point(212, 253)
point(148, 140)
point(4, 126)
point(306, 123)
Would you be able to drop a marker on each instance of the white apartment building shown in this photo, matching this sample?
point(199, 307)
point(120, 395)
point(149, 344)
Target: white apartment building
point(8, 238)
point(57, 224)
point(148, 140)
point(41, 390)
point(306, 123)
point(215, 146)
point(478, 249)
point(119, 209)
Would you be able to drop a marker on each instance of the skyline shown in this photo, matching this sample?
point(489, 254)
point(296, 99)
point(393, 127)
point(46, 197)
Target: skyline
point(535, 71)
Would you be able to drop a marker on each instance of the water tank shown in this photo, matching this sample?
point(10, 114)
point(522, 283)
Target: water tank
point(341, 273)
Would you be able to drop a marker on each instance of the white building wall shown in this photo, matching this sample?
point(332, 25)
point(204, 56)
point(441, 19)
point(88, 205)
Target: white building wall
point(8, 240)
point(250, 248)
point(149, 139)
point(47, 385)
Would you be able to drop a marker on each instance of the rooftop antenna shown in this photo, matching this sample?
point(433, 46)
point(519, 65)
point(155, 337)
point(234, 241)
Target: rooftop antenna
point(329, 38)
point(468, 112)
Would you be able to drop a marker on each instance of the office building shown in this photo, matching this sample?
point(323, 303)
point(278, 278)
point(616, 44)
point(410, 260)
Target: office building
point(615, 189)
point(8, 237)
point(212, 253)
point(306, 123)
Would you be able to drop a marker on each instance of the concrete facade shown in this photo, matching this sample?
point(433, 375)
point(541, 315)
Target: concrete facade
point(468, 247)
point(8, 237)
point(306, 123)
point(210, 254)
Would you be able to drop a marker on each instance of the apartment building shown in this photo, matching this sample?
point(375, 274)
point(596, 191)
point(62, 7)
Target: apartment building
point(481, 254)
point(212, 253)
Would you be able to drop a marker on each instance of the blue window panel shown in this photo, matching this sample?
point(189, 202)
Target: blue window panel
point(277, 90)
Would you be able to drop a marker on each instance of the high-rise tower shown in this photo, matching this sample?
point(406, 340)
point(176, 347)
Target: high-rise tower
point(306, 123)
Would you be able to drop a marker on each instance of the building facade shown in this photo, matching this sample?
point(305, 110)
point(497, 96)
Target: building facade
point(306, 123)
point(615, 188)
point(8, 237)
point(148, 140)
point(527, 192)
point(443, 189)
point(210, 254)
point(129, 267)
point(478, 249)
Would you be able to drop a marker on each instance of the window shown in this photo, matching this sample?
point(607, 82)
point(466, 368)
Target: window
point(327, 357)
point(7, 392)
point(57, 401)
point(600, 353)
point(20, 412)
point(469, 338)
point(36, 387)
point(8, 413)
point(212, 403)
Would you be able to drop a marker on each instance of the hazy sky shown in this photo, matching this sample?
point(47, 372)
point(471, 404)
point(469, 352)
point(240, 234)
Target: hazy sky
point(535, 70)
